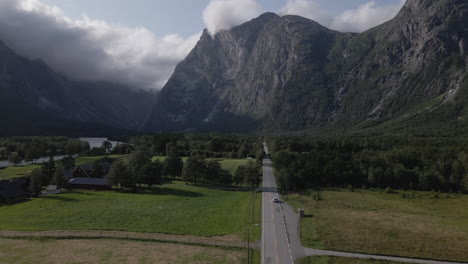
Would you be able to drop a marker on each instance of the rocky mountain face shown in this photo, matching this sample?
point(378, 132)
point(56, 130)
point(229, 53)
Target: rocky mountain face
point(290, 73)
point(36, 100)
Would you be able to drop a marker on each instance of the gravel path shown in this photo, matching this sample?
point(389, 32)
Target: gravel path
point(225, 241)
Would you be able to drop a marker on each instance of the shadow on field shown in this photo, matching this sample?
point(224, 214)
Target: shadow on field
point(61, 198)
point(177, 192)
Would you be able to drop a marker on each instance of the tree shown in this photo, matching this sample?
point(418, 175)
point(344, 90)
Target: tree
point(31, 155)
point(252, 177)
point(152, 173)
point(173, 167)
point(194, 169)
point(36, 182)
point(107, 146)
point(68, 162)
point(48, 169)
point(119, 175)
point(139, 164)
point(239, 175)
point(58, 176)
point(97, 170)
point(213, 171)
point(14, 159)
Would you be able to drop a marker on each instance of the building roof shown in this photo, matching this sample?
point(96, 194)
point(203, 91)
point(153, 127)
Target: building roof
point(68, 174)
point(51, 188)
point(88, 181)
point(10, 189)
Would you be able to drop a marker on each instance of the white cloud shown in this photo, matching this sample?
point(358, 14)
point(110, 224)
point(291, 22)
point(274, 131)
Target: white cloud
point(362, 18)
point(89, 49)
point(308, 9)
point(225, 14)
point(365, 16)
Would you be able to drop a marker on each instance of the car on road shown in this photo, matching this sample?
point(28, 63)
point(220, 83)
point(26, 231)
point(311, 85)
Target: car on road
point(275, 199)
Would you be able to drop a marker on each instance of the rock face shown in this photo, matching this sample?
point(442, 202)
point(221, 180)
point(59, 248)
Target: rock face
point(290, 73)
point(36, 100)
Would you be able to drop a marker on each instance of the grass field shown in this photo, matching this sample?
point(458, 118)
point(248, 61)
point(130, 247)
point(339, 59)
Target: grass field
point(172, 210)
point(20, 171)
point(336, 260)
point(387, 224)
point(14, 251)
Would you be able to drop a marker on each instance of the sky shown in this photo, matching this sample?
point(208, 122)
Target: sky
point(139, 42)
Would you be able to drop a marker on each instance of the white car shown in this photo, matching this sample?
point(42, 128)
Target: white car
point(275, 199)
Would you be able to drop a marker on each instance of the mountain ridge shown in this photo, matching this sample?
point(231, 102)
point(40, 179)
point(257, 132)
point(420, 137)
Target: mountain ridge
point(290, 73)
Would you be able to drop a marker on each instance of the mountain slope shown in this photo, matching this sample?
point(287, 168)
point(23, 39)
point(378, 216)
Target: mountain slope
point(290, 73)
point(35, 97)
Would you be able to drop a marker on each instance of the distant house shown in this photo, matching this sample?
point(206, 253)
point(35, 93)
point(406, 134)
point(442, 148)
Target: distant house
point(89, 183)
point(13, 190)
point(84, 170)
point(52, 189)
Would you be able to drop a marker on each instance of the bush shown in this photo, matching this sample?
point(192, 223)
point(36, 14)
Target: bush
point(350, 188)
point(389, 190)
point(317, 196)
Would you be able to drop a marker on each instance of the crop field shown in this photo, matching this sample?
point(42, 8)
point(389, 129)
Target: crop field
point(20, 171)
point(413, 224)
point(171, 210)
point(15, 251)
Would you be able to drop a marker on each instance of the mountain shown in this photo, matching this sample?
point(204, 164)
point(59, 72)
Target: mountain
point(291, 74)
point(36, 100)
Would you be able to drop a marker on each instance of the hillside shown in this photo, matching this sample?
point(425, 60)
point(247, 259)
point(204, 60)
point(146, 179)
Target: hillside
point(292, 74)
point(36, 100)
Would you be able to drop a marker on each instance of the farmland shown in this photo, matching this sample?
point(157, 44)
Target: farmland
point(411, 224)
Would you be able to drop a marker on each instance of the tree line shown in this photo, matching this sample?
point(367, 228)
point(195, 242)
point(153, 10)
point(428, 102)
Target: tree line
point(439, 164)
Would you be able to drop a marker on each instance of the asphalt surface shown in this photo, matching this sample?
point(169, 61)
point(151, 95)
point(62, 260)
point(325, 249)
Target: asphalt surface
point(279, 245)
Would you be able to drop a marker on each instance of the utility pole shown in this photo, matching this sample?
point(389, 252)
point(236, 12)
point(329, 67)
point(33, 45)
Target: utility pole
point(248, 246)
point(253, 206)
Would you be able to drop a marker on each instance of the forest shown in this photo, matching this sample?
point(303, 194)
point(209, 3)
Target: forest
point(412, 163)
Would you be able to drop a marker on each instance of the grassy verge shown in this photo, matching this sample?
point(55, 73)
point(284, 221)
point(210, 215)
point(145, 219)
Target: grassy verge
point(112, 251)
point(172, 210)
point(388, 224)
point(336, 260)
point(20, 171)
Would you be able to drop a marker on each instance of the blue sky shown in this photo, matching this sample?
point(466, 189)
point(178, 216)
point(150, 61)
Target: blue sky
point(182, 17)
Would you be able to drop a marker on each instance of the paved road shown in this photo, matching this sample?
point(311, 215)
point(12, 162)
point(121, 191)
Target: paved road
point(279, 245)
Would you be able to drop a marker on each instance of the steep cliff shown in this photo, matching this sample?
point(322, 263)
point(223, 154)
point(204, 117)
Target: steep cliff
point(290, 73)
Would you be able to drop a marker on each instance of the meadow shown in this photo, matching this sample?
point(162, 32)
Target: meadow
point(15, 251)
point(410, 224)
point(171, 210)
point(337, 260)
point(20, 171)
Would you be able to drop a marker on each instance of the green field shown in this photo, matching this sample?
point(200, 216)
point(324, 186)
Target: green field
point(16, 251)
point(336, 260)
point(227, 164)
point(387, 224)
point(172, 210)
point(20, 171)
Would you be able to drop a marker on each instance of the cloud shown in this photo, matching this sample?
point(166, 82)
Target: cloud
point(365, 16)
point(89, 49)
point(225, 14)
point(308, 9)
point(360, 19)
